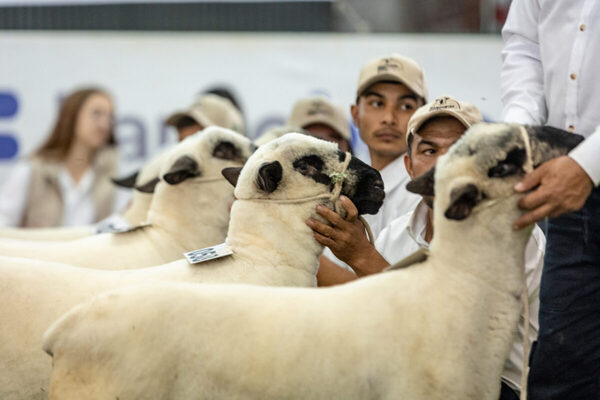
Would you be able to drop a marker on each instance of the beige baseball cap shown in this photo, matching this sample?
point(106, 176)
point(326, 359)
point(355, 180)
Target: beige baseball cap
point(209, 110)
point(319, 110)
point(465, 112)
point(395, 68)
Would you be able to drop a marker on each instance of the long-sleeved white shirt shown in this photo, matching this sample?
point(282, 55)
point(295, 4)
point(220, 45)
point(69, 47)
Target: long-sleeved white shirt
point(551, 61)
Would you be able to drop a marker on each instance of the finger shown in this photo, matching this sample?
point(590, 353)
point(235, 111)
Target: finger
point(334, 218)
point(319, 227)
point(351, 210)
point(535, 199)
point(536, 215)
point(531, 180)
point(324, 240)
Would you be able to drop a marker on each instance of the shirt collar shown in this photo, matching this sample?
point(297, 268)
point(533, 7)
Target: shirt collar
point(417, 224)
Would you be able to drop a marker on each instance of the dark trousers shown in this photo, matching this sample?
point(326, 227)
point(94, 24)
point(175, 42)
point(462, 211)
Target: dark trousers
point(565, 360)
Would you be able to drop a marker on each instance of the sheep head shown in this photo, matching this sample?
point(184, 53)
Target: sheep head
point(297, 166)
point(484, 165)
point(200, 156)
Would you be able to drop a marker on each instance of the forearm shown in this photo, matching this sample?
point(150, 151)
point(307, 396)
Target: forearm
point(331, 274)
point(368, 262)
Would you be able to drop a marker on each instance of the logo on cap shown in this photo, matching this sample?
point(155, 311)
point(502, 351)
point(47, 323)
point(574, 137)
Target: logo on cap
point(318, 107)
point(444, 103)
point(388, 63)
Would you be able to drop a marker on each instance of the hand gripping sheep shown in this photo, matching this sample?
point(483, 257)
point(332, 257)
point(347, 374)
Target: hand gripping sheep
point(271, 246)
point(189, 209)
point(440, 329)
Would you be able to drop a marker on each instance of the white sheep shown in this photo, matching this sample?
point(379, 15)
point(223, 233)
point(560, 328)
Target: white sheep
point(281, 182)
point(135, 214)
point(189, 210)
point(440, 329)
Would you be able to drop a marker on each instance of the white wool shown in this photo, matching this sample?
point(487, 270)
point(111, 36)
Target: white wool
point(271, 246)
point(440, 329)
point(182, 217)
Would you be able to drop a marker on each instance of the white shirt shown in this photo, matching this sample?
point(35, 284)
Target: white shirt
point(398, 201)
point(550, 71)
point(406, 234)
point(78, 203)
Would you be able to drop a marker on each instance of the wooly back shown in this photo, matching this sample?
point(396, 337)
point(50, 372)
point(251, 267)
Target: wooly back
point(440, 329)
point(189, 209)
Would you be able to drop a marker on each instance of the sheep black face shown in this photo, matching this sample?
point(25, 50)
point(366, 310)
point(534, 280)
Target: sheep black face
point(202, 156)
point(297, 167)
point(484, 165)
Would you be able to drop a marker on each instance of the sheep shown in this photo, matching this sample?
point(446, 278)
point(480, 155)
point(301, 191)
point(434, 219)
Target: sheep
point(278, 189)
point(189, 210)
point(135, 214)
point(439, 329)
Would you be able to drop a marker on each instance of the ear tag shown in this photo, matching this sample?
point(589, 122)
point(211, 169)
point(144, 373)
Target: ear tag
point(337, 177)
point(208, 253)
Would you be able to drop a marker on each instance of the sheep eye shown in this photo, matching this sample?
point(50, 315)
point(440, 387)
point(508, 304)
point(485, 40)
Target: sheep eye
point(225, 151)
point(309, 165)
point(511, 165)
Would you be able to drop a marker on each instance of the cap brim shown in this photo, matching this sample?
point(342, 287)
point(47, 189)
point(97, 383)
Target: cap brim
point(174, 119)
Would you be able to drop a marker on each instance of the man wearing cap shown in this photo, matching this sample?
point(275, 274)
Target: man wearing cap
point(322, 119)
point(207, 110)
point(390, 89)
point(431, 132)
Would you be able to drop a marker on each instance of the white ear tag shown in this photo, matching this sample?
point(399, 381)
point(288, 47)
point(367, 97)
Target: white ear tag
point(208, 253)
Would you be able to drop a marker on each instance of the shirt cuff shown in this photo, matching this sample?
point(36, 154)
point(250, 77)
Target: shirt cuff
point(518, 115)
point(586, 155)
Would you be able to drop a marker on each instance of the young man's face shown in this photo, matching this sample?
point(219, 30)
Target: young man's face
point(381, 115)
point(432, 140)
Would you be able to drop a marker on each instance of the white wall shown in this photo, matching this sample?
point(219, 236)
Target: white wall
point(153, 74)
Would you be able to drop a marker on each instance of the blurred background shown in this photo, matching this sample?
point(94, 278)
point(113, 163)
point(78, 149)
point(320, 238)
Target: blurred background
point(154, 57)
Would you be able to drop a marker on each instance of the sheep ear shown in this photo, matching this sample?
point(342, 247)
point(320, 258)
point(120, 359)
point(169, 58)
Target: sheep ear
point(232, 174)
point(185, 167)
point(462, 201)
point(269, 176)
point(127, 181)
point(423, 184)
point(556, 138)
point(149, 186)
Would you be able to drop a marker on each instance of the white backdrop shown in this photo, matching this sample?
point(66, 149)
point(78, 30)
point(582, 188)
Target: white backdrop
point(152, 74)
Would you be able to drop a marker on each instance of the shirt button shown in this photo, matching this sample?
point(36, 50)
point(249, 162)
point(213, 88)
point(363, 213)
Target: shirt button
point(582, 27)
point(573, 76)
point(571, 128)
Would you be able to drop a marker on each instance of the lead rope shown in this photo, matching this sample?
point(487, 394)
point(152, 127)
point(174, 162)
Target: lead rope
point(528, 167)
point(337, 178)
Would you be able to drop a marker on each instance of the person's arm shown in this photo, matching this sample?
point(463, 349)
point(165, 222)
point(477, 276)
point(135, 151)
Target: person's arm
point(330, 273)
point(347, 240)
point(13, 195)
point(522, 79)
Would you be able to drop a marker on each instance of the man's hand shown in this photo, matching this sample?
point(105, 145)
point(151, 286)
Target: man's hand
point(563, 187)
point(346, 238)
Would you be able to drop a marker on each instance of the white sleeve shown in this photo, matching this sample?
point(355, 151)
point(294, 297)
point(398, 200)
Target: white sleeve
point(534, 263)
point(13, 195)
point(586, 155)
point(522, 78)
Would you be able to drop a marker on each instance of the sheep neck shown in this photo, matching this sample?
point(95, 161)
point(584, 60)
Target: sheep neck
point(137, 212)
point(274, 234)
point(196, 214)
point(484, 245)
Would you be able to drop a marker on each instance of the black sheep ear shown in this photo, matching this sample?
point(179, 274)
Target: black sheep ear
point(127, 181)
point(462, 201)
point(232, 174)
point(423, 184)
point(185, 167)
point(557, 139)
point(269, 176)
point(149, 186)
